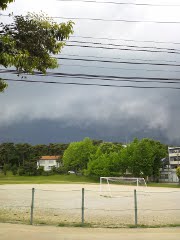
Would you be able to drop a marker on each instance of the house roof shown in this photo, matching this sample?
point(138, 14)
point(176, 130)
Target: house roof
point(49, 158)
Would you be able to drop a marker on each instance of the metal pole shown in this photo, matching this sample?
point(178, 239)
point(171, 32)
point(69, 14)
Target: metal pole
point(32, 206)
point(82, 209)
point(135, 207)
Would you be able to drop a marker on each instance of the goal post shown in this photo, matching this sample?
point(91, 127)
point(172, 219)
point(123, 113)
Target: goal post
point(113, 186)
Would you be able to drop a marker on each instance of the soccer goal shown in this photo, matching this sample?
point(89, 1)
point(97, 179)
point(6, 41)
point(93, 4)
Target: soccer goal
point(118, 186)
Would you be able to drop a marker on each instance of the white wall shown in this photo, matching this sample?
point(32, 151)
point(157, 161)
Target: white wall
point(47, 164)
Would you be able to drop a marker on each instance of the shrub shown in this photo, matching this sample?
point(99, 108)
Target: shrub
point(14, 170)
point(40, 170)
point(21, 171)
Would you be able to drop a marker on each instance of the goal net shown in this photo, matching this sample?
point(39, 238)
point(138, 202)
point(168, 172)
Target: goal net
point(118, 186)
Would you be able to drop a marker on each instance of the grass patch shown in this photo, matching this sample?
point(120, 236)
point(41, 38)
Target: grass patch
point(167, 185)
point(154, 226)
point(85, 225)
point(53, 179)
point(60, 179)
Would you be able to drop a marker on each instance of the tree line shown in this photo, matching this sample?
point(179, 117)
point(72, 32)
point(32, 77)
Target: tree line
point(22, 157)
point(140, 158)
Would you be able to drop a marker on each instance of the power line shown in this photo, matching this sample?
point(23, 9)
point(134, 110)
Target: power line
point(122, 49)
point(121, 62)
point(122, 45)
point(103, 77)
point(112, 39)
point(124, 39)
point(117, 68)
point(118, 20)
point(93, 84)
point(133, 59)
point(107, 20)
point(122, 3)
point(128, 69)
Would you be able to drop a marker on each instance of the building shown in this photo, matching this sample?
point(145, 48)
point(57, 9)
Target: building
point(48, 162)
point(168, 171)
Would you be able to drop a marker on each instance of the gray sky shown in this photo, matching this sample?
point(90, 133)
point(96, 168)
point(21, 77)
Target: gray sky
point(51, 113)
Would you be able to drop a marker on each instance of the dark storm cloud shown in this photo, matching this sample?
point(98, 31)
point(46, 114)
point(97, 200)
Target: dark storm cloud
point(51, 113)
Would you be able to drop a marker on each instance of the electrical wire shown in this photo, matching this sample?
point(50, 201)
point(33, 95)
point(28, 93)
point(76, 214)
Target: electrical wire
point(122, 45)
point(106, 20)
point(123, 49)
point(102, 77)
point(119, 62)
point(124, 39)
point(94, 84)
point(122, 3)
point(133, 59)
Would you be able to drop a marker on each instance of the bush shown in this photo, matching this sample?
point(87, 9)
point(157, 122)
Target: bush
point(5, 169)
point(21, 171)
point(40, 170)
point(61, 170)
point(14, 170)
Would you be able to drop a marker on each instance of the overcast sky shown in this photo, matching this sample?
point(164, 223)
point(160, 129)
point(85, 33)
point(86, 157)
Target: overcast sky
point(38, 113)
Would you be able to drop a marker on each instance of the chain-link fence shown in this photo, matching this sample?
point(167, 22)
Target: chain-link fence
point(76, 205)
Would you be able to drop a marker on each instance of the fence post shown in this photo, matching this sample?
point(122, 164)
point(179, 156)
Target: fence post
point(135, 208)
point(32, 206)
point(82, 208)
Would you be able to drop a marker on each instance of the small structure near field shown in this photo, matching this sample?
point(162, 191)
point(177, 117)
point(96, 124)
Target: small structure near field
point(169, 165)
point(48, 162)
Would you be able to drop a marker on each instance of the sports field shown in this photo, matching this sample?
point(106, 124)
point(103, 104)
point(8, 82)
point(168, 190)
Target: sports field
point(61, 204)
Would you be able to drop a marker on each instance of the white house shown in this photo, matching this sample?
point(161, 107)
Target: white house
point(168, 172)
point(48, 162)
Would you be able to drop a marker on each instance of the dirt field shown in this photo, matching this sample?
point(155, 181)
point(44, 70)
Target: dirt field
point(21, 232)
point(61, 204)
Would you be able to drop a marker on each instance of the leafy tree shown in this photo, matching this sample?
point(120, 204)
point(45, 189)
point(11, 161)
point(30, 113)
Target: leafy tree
point(108, 147)
point(30, 168)
point(8, 154)
point(40, 170)
point(14, 170)
point(97, 142)
point(77, 155)
point(28, 43)
point(40, 150)
point(104, 164)
point(56, 149)
point(178, 173)
point(4, 3)
point(143, 157)
point(5, 169)
point(24, 152)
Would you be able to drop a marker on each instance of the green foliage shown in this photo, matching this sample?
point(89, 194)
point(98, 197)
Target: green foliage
point(14, 170)
point(3, 85)
point(29, 43)
point(61, 170)
point(4, 3)
point(21, 171)
point(103, 164)
point(40, 170)
point(77, 155)
point(5, 169)
point(139, 158)
point(108, 147)
point(178, 173)
point(30, 168)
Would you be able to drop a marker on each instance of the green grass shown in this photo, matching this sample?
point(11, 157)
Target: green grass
point(168, 185)
point(58, 179)
point(10, 179)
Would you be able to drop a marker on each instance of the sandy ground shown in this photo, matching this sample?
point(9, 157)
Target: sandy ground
point(21, 232)
point(61, 203)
